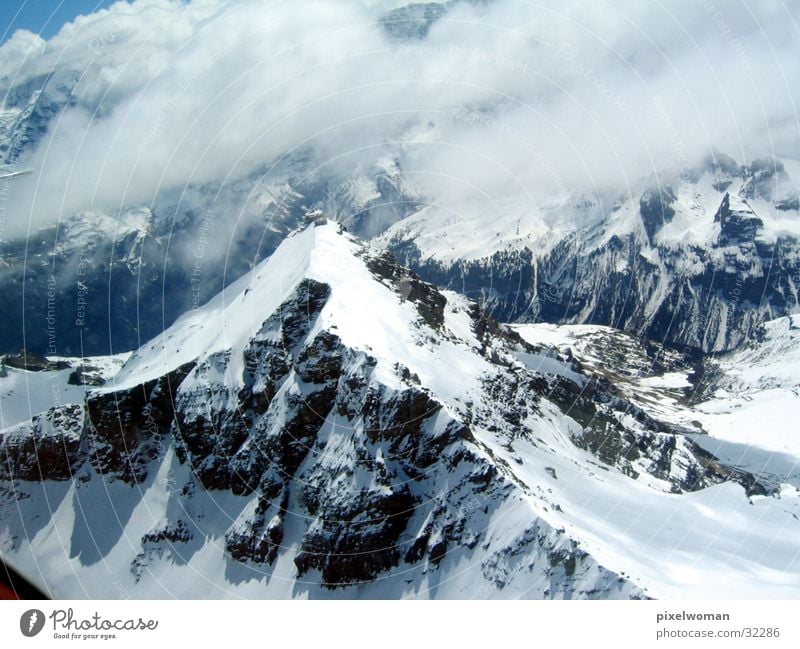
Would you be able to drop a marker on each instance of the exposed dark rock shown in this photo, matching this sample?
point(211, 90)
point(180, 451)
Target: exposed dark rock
point(413, 20)
point(86, 375)
point(736, 227)
point(258, 539)
point(299, 313)
point(47, 448)
point(356, 542)
point(25, 360)
point(178, 532)
point(429, 301)
point(129, 428)
point(656, 210)
point(321, 361)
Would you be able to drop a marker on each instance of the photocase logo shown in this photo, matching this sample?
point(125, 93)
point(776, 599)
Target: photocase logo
point(31, 622)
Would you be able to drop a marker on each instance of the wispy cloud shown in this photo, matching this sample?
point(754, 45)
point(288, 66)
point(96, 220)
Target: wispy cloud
point(499, 97)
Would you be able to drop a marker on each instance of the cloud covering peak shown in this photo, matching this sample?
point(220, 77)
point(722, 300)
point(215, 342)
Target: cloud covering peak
point(491, 98)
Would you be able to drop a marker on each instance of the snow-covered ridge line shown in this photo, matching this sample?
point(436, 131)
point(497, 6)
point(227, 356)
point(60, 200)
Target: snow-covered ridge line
point(332, 426)
point(697, 261)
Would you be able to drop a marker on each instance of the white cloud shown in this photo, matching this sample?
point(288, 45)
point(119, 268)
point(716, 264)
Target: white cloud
point(510, 96)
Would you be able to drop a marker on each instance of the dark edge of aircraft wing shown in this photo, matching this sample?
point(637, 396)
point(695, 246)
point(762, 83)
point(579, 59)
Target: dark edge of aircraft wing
point(14, 586)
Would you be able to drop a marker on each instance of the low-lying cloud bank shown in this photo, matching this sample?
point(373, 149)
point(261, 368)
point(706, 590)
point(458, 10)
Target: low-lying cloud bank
point(497, 97)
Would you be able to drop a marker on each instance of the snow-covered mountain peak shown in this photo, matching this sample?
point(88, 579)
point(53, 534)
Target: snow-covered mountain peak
point(86, 228)
point(331, 421)
point(234, 316)
point(359, 294)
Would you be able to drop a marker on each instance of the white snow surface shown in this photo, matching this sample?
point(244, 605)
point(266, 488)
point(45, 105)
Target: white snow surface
point(749, 423)
point(714, 543)
point(758, 402)
point(356, 303)
point(24, 393)
point(476, 229)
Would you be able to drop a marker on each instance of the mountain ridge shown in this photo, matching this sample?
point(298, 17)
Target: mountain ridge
point(277, 442)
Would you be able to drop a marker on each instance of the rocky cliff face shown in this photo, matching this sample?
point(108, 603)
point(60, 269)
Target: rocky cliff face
point(333, 424)
point(28, 108)
point(700, 263)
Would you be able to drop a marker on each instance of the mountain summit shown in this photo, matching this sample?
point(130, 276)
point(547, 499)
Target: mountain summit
point(331, 425)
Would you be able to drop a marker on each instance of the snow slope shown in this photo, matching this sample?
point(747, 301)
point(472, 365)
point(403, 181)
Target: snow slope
point(330, 426)
point(697, 260)
point(756, 402)
point(24, 393)
point(743, 408)
point(322, 254)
